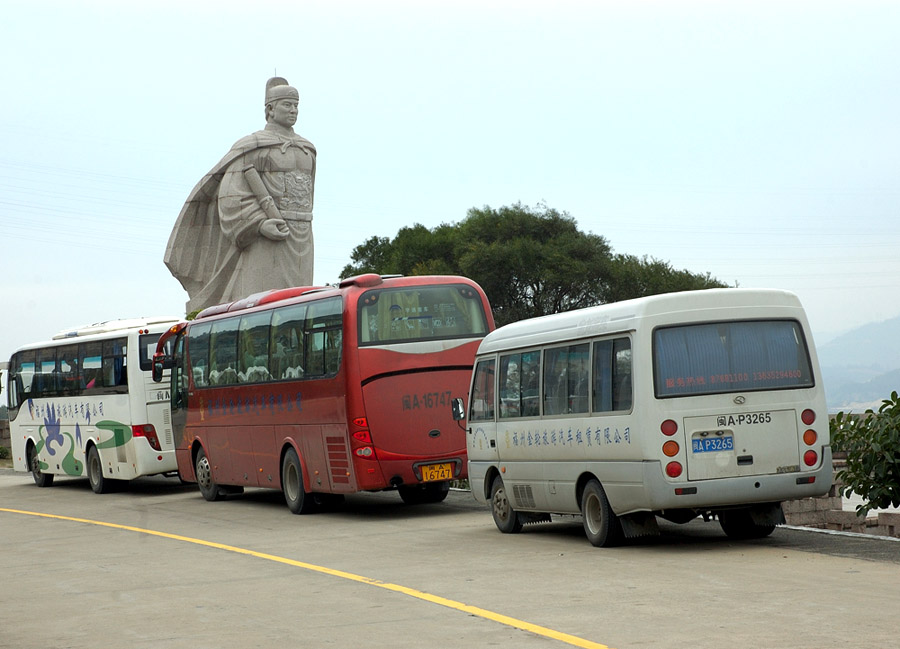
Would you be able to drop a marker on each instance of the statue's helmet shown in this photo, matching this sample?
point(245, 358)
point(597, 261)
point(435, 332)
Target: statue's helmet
point(278, 88)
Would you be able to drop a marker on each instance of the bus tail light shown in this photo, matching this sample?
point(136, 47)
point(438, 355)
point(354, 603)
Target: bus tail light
point(668, 427)
point(810, 458)
point(148, 432)
point(363, 436)
point(810, 437)
point(808, 416)
point(673, 469)
point(670, 448)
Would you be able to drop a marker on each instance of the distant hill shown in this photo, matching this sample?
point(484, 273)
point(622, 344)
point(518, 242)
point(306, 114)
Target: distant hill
point(862, 366)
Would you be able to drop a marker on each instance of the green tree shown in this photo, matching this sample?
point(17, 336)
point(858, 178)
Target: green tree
point(872, 444)
point(530, 261)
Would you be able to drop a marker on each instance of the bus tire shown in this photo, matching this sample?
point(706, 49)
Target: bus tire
point(738, 524)
point(99, 484)
point(601, 526)
point(426, 494)
point(505, 517)
point(41, 479)
point(298, 500)
point(203, 472)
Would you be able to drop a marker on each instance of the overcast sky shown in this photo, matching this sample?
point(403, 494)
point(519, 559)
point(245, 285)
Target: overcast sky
point(757, 141)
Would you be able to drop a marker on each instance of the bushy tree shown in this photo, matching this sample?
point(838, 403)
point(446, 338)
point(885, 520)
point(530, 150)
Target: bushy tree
point(872, 444)
point(530, 261)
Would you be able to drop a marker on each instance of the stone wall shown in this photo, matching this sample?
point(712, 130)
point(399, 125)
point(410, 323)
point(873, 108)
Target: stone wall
point(827, 512)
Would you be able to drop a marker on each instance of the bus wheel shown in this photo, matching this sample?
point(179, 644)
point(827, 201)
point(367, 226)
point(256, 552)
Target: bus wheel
point(298, 500)
point(601, 525)
point(429, 493)
point(41, 479)
point(99, 484)
point(738, 524)
point(203, 472)
point(505, 517)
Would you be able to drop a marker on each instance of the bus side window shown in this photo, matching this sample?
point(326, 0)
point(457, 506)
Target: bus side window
point(223, 352)
point(510, 386)
point(285, 345)
point(481, 406)
point(254, 348)
point(114, 364)
point(92, 365)
point(198, 354)
point(612, 375)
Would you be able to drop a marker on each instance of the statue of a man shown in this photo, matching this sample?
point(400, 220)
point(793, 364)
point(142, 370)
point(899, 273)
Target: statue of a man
point(247, 225)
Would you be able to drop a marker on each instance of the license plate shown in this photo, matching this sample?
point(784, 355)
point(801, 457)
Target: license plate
point(432, 472)
point(712, 444)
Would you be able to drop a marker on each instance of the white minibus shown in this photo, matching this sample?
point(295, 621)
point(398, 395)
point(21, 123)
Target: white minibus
point(85, 402)
point(702, 403)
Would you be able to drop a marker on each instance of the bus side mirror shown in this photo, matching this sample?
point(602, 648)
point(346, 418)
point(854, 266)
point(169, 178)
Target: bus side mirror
point(161, 362)
point(458, 409)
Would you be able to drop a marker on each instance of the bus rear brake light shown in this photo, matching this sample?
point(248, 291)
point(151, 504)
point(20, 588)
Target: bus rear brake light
point(808, 417)
point(362, 422)
point(668, 427)
point(810, 458)
point(673, 469)
point(363, 436)
point(148, 432)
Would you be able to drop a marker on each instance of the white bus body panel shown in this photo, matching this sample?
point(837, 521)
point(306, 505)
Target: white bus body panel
point(623, 451)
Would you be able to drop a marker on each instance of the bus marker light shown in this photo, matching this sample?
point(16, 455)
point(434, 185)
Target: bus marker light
point(810, 437)
point(670, 448)
point(806, 479)
point(808, 416)
point(810, 458)
point(673, 469)
point(668, 427)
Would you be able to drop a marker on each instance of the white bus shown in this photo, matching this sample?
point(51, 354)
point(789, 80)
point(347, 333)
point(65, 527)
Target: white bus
point(678, 405)
point(85, 403)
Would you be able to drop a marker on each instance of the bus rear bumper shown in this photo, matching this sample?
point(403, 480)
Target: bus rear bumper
point(658, 494)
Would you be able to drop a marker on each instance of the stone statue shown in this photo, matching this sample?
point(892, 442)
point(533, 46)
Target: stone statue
point(247, 225)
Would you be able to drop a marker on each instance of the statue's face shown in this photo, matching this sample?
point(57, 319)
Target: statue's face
point(284, 112)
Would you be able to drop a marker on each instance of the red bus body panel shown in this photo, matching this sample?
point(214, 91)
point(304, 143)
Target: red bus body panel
point(402, 394)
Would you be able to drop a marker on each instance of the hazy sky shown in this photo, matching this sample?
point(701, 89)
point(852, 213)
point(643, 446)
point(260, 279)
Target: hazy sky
point(757, 141)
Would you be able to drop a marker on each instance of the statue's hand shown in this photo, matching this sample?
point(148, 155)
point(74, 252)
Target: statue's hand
point(274, 229)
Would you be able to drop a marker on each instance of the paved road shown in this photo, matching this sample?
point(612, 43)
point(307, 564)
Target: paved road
point(170, 570)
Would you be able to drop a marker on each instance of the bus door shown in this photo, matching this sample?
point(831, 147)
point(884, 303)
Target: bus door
point(481, 432)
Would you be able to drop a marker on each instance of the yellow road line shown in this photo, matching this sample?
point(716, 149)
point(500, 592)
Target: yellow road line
point(572, 640)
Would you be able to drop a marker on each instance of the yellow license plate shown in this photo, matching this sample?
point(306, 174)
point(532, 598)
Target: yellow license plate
point(432, 472)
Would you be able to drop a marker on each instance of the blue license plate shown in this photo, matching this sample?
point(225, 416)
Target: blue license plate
point(712, 444)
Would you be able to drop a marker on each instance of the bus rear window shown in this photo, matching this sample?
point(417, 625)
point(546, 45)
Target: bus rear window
point(723, 357)
point(415, 313)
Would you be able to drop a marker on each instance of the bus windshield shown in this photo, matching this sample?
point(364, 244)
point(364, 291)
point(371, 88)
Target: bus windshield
point(719, 357)
point(402, 315)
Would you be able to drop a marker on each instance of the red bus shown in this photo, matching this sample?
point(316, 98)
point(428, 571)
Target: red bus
point(325, 391)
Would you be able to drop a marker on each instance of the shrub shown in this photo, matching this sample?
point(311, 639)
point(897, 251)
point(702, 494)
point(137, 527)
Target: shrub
point(4, 453)
point(872, 444)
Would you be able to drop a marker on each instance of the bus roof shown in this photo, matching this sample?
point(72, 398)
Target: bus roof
point(368, 280)
point(114, 325)
point(623, 316)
